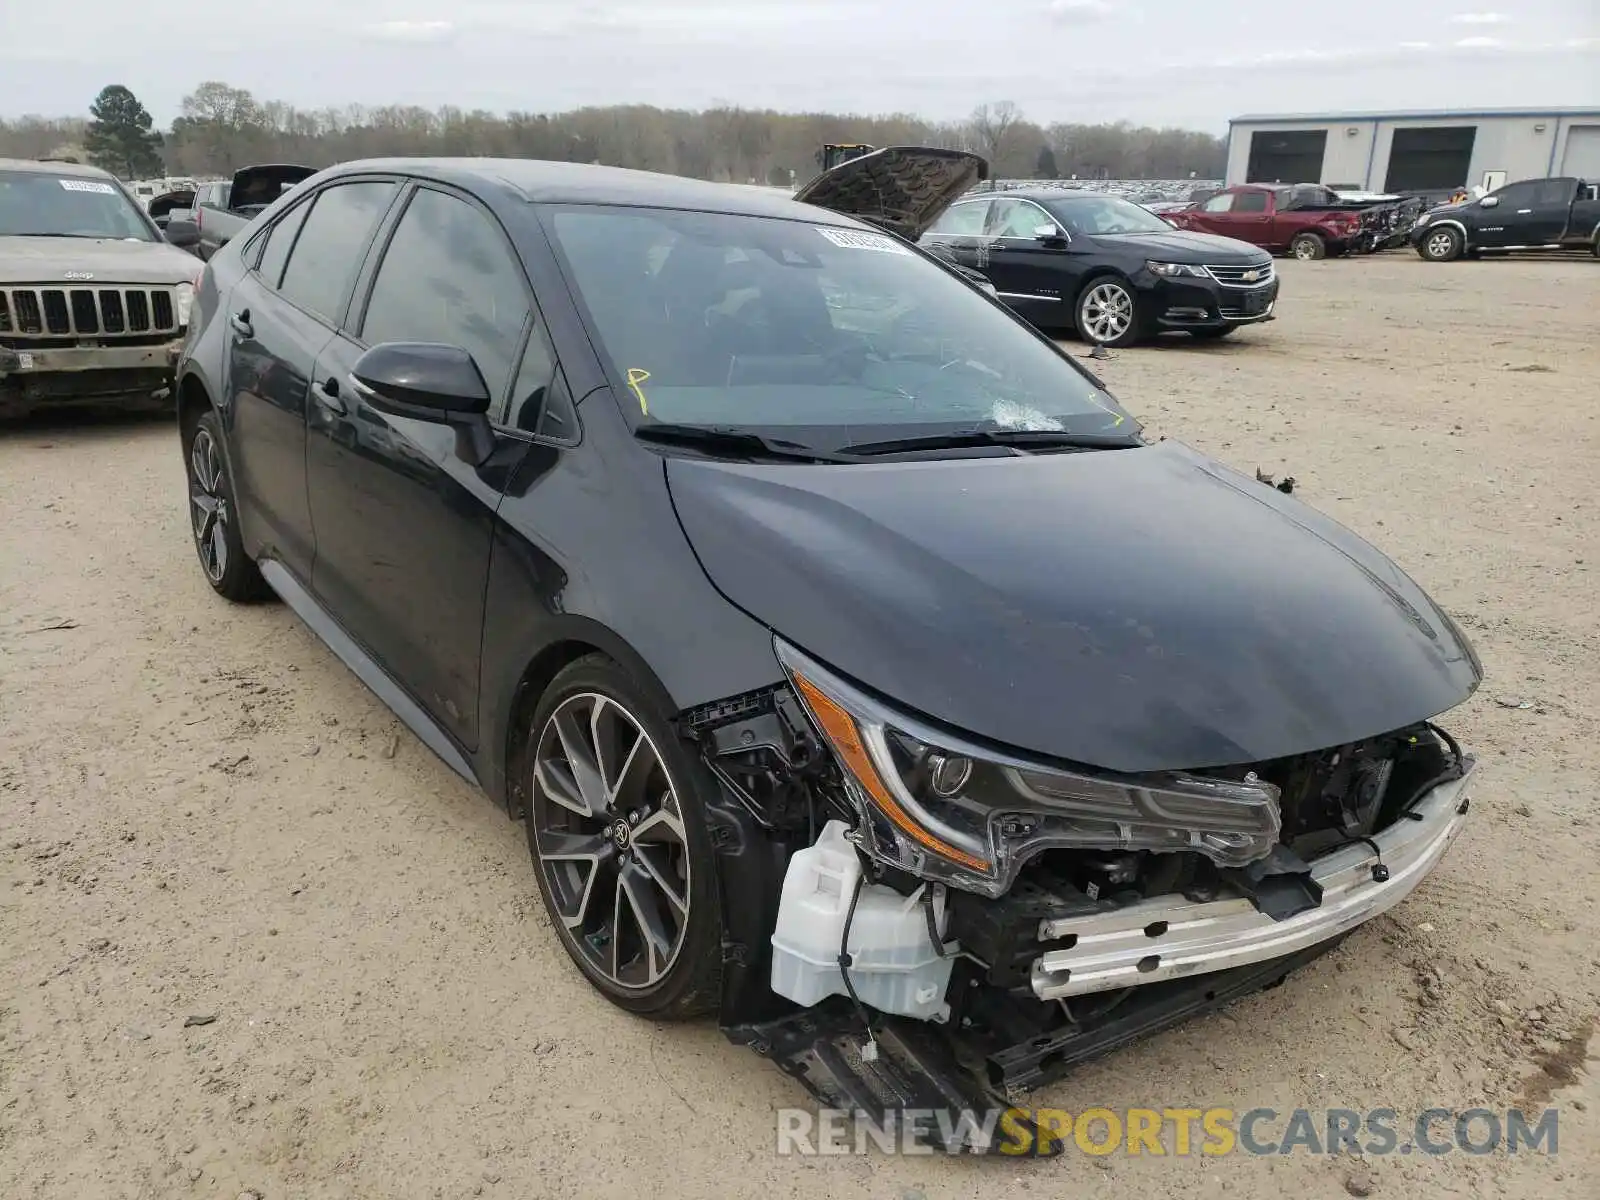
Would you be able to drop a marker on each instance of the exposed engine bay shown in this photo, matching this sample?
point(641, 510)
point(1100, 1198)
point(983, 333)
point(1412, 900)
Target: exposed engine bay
point(926, 923)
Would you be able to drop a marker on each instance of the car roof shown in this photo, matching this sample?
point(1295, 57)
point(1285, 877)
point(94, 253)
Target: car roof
point(69, 170)
point(545, 182)
point(1042, 195)
point(1045, 195)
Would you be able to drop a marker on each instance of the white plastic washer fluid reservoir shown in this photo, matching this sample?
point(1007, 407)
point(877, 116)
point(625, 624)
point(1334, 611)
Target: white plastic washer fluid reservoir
point(895, 966)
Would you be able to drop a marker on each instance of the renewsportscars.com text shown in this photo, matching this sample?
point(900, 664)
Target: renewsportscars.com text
point(1175, 1132)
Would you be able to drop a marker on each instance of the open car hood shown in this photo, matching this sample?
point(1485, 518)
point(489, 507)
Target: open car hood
point(903, 189)
point(260, 185)
point(163, 204)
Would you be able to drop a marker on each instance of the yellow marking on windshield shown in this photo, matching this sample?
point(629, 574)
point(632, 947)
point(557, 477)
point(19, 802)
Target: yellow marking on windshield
point(636, 376)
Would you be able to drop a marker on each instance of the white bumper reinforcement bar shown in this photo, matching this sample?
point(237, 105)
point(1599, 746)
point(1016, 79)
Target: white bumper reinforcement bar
point(1169, 937)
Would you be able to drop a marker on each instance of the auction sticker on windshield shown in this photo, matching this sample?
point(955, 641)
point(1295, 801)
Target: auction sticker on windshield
point(87, 185)
point(851, 240)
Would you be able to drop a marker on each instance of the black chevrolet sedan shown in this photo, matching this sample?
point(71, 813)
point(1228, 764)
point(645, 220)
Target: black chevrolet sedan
point(858, 669)
point(1106, 267)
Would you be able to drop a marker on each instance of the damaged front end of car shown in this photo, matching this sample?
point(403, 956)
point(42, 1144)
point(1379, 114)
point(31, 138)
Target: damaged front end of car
point(922, 922)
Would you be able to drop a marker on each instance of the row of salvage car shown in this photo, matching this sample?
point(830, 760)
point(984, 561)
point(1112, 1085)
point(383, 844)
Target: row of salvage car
point(1116, 272)
point(1310, 221)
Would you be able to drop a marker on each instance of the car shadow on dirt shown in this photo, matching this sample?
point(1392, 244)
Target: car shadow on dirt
point(75, 422)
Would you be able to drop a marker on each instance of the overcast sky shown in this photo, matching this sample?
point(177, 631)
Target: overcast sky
point(1193, 63)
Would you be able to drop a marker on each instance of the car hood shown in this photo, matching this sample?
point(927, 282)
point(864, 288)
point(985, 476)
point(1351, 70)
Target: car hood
point(47, 260)
point(1134, 610)
point(1181, 245)
point(163, 204)
point(900, 188)
point(265, 182)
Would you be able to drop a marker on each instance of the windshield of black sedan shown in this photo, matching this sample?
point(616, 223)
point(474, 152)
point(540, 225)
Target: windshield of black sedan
point(716, 319)
point(1097, 216)
point(34, 203)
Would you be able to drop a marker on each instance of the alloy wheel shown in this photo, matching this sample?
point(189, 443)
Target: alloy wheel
point(1107, 311)
point(1441, 244)
point(208, 504)
point(608, 831)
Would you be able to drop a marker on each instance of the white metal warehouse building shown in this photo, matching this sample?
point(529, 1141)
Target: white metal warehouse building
point(1415, 151)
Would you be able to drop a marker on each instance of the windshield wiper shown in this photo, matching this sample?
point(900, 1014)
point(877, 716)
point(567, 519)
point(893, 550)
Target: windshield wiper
point(734, 442)
point(1025, 439)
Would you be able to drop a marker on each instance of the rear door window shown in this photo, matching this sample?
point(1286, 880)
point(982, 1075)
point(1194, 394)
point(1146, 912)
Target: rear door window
point(963, 220)
point(1250, 202)
point(1018, 219)
point(332, 243)
point(280, 240)
point(1553, 193)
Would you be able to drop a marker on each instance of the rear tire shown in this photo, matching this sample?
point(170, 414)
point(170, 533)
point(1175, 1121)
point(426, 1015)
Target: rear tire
point(1308, 247)
point(213, 514)
point(617, 831)
point(1443, 244)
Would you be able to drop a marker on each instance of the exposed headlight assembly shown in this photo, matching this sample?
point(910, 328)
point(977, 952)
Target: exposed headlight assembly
point(1177, 270)
point(942, 808)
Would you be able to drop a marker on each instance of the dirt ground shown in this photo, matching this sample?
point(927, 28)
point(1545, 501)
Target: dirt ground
point(204, 815)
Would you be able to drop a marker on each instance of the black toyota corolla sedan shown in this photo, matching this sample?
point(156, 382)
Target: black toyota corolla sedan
point(859, 670)
point(1106, 267)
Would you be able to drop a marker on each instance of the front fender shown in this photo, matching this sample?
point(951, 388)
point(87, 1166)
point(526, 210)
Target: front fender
point(588, 551)
point(1454, 223)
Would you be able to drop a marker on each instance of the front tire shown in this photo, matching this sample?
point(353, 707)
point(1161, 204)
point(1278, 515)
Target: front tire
point(213, 514)
point(1107, 313)
point(1308, 247)
point(620, 847)
point(1443, 244)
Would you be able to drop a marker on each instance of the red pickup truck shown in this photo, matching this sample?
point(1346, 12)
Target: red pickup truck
point(1307, 221)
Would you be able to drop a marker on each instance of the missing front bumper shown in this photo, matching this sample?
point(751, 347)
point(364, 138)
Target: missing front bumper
point(1169, 937)
point(923, 1070)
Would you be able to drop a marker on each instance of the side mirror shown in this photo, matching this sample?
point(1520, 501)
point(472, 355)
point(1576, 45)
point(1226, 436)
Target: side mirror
point(1048, 233)
point(428, 381)
point(1489, 202)
point(183, 233)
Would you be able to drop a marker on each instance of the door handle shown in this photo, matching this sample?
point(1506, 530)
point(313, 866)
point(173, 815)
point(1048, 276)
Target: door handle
point(241, 323)
point(1523, 212)
point(330, 397)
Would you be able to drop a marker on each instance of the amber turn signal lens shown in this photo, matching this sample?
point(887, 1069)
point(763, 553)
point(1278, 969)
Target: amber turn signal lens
point(840, 729)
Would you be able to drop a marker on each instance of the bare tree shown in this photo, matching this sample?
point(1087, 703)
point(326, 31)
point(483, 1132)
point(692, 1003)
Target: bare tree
point(992, 127)
point(222, 127)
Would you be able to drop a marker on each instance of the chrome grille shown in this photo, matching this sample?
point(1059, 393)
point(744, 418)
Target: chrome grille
point(1235, 276)
point(87, 312)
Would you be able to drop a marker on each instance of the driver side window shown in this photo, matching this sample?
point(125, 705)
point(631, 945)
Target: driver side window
point(1219, 204)
point(1517, 195)
point(449, 275)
